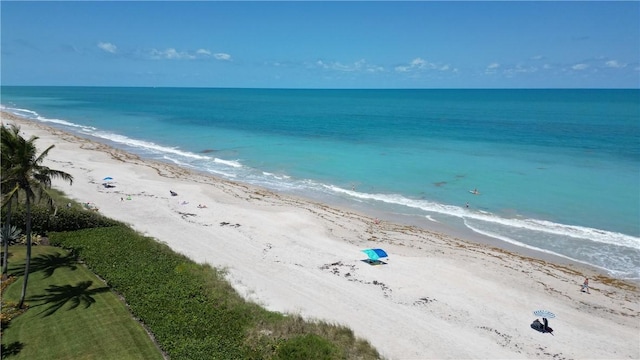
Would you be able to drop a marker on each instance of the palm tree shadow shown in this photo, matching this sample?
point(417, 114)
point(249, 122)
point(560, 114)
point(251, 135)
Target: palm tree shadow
point(58, 296)
point(11, 349)
point(48, 263)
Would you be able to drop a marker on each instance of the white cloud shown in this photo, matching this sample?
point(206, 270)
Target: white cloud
point(580, 67)
point(362, 65)
point(108, 47)
point(520, 69)
point(614, 64)
point(358, 66)
point(173, 54)
point(509, 70)
point(419, 64)
point(492, 68)
point(170, 54)
point(222, 56)
point(340, 67)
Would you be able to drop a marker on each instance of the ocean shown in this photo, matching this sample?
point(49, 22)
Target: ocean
point(556, 171)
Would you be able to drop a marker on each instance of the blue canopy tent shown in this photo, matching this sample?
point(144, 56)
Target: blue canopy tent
point(108, 182)
point(375, 255)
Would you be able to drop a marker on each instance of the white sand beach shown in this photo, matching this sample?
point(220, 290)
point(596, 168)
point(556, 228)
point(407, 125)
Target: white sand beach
point(437, 297)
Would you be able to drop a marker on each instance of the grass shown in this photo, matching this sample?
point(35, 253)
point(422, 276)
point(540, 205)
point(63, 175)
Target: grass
point(72, 314)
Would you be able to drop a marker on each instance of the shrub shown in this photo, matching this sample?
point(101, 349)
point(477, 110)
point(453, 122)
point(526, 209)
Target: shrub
point(309, 346)
point(9, 311)
point(43, 221)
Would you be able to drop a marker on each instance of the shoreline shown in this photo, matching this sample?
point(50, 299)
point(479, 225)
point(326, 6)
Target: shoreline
point(437, 296)
point(466, 234)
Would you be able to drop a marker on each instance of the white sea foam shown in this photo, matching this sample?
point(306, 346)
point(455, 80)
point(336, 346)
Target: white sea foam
point(178, 162)
point(428, 217)
point(20, 112)
point(86, 129)
point(221, 173)
point(617, 265)
point(165, 152)
point(232, 163)
point(146, 145)
point(116, 138)
point(527, 246)
point(184, 164)
point(29, 114)
point(579, 232)
point(278, 177)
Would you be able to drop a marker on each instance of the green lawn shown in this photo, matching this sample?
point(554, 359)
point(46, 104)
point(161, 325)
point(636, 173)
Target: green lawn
point(72, 314)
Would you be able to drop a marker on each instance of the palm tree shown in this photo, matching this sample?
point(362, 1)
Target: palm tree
point(26, 173)
point(8, 140)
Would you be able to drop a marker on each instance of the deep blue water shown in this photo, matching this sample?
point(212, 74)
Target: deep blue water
point(557, 170)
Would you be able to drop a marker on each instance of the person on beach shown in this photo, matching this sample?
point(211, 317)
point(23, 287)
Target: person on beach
point(546, 327)
point(585, 286)
point(537, 325)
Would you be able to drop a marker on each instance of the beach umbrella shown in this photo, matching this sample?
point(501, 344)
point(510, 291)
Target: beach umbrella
point(108, 178)
point(375, 254)
point(544, 314)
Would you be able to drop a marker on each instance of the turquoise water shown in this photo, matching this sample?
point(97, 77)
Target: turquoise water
point(557, 170)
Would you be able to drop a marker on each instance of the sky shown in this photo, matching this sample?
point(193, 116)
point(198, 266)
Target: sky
point(335, 44)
